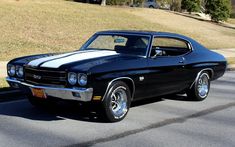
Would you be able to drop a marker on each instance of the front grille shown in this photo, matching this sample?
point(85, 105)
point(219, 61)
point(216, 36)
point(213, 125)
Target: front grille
point(45, 77)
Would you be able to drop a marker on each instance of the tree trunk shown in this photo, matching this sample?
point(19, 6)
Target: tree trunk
point(103, 3)
point(132, 2)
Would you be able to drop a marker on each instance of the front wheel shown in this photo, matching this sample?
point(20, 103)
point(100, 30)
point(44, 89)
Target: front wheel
point(201, 87)
point(117, 102)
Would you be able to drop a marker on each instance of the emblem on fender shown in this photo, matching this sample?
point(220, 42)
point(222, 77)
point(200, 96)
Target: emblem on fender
point(141, 78)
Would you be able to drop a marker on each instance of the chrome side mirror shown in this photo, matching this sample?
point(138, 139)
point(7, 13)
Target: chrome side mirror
point(158, 52)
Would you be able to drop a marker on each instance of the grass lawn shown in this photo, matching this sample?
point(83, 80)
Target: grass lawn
point(231, 20)
point(3, 83)
point(42, 26)
point(231, 60)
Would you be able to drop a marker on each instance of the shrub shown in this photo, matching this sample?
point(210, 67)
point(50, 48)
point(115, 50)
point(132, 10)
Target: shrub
point(176, 5)
point(117, 2)
point(219, 10)
point(191, 5)
point(232, 15)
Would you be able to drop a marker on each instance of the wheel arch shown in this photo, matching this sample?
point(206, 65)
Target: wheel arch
point(210, 72)
point(129, 81)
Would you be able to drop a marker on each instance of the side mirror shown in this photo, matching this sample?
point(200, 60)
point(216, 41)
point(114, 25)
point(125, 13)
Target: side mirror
point(158, 52)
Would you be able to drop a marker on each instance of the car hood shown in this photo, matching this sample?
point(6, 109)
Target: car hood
point(76, 61)
point(26, 59)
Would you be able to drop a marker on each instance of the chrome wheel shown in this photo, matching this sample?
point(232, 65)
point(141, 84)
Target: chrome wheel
point(118, 103)
point(203, 85)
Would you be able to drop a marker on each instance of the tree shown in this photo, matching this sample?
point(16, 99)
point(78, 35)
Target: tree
point(103, 3)
point(190, 5)
point(175, 5)
point(219, 10)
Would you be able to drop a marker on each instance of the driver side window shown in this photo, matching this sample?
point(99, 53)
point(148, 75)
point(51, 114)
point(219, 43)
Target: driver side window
point(166, 46)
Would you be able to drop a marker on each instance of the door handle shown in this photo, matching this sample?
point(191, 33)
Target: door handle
point(181, 61)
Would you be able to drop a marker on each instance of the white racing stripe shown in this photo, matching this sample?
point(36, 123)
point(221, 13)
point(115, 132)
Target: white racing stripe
point(41, 60)
point(77, 57)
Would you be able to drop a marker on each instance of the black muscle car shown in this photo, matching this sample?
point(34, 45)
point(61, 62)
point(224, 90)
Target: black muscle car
point(114, 68)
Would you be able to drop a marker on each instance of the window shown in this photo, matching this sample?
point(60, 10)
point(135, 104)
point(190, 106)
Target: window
point(108, 42)
point(169, 46)
point(125, 44)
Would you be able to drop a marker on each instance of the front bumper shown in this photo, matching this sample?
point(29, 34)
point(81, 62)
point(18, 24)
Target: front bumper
point(79, 94)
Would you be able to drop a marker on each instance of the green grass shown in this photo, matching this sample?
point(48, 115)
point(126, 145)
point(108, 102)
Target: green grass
point(3, 83)
point(42, 26)
point(231, 60)
point(231, 20)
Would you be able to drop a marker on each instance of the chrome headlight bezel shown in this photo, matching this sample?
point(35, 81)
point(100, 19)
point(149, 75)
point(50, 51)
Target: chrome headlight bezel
point(72, 78)
point(82, 79)
point(11, 70)
point(20, 71)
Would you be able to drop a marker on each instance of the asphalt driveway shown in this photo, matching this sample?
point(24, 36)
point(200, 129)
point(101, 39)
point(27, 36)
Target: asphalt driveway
point(171, 121)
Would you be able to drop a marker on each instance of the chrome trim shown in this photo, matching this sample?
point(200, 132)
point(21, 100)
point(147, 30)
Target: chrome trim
point(119, 102)
point(69, 76)
point(32, 75)
point(8, 69)
point(203, 87)
point(120, 78)
point(150, 47)
point(49, 85)
point(198, 75)
point(79, 78)
point(63, 93)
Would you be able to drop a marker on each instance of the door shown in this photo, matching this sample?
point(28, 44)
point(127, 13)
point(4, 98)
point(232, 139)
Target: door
point(166, 62)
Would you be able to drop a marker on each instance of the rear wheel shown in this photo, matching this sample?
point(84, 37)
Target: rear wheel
point(201, 87)
point(117, 102)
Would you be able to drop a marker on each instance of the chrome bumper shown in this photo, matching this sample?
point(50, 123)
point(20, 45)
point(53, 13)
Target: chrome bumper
point(79, 94)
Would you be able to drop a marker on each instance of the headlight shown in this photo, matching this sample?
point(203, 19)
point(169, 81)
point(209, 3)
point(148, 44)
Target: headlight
point(11, 69)
point(72, 78)
point(19, 71)
point(82, 79)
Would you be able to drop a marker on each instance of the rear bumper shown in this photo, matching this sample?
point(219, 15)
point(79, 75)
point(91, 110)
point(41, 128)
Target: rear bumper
point(79, 94)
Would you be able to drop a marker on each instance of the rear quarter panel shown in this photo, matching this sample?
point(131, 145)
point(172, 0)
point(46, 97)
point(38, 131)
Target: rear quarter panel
point(202, 58)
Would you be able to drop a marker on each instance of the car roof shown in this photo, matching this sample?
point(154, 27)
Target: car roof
point(140, 32)
point(144, 32)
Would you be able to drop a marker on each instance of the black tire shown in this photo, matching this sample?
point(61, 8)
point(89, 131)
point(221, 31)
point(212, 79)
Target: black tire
point(194, 93)
point(121, 91)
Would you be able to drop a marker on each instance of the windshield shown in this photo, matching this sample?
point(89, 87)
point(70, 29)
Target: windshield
point(126, 44)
